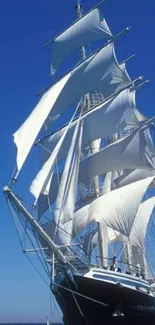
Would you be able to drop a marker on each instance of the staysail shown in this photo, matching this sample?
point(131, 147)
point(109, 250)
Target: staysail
point(66, 198)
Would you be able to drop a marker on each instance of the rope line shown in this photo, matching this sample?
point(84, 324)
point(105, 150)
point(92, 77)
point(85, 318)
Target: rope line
point(81, 295)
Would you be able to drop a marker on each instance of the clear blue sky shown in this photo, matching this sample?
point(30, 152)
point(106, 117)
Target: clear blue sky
point(24, 69)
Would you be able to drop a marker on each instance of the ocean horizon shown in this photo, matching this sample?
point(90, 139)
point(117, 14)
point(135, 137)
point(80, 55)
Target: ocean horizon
point(29, 323)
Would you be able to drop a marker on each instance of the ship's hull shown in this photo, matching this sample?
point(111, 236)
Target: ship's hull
point(107, 303)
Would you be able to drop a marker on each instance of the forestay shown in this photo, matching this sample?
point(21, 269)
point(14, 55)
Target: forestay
point(116, 115)
point(100, 71)
point(91, 27)
point(116, 209)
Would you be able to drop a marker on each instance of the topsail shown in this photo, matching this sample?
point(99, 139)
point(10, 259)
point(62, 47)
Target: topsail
point(91, 27)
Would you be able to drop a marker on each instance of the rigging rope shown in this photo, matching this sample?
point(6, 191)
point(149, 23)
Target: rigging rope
point(81, 295)
point(18, 215)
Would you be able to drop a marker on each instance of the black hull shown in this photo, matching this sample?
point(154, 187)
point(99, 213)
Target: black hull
point(135, 307)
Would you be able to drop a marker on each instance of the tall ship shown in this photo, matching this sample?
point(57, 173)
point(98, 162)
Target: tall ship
point(89, 214)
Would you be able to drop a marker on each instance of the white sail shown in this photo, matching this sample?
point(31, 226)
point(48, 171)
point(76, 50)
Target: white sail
point(114, 236)
point(91, 27)
point(65, 202)
point(133, 176)
point(100, 71)
point(27, 133)
point(44, 200)
point(129, 152)
point(116, 115)
point(107, 183)
point(116, 209)
point(41, 183)
point(139, 228)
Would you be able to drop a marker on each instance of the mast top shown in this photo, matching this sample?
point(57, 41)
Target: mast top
point(79, 9)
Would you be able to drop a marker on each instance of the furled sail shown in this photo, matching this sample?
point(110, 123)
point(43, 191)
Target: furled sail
point(116, 209)
point(100, 71)
point(129, 152)
point(91, 27)
point(116, 115)
point(65, 202)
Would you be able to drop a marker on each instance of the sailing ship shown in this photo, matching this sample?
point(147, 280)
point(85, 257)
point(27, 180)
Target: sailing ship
point(93, 193)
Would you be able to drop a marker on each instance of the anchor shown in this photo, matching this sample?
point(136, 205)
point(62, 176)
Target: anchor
point(117, 312)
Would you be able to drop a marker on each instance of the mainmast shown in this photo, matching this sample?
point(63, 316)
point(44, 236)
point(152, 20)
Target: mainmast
point(79, 11)
point(102, 232)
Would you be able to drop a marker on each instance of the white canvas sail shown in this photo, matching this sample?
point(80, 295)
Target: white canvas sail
point(133, 176)
point(41, 183)
point(101, 71)
point(27, 133)
point(139, 228)
point(98, 71)
point(126, 153)
point(65, 202)
point(116, 115)
point(91, 27)
point(129, 152)
point(116, 209)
